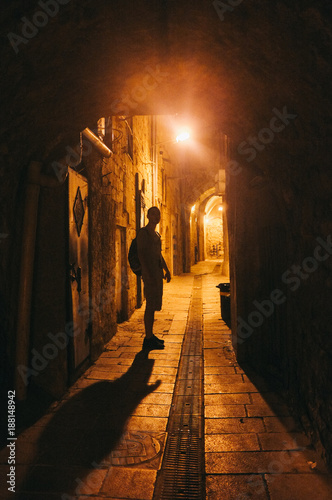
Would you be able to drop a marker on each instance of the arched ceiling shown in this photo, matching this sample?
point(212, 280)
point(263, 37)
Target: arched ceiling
point(213, 204)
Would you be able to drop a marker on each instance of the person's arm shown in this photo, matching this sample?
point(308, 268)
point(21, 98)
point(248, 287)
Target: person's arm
point(167, 273)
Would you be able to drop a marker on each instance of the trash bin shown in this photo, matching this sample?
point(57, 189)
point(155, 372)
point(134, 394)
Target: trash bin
point(225, 301)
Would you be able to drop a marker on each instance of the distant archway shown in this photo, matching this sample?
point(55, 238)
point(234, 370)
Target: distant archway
point(209, 229)
point(214, 229)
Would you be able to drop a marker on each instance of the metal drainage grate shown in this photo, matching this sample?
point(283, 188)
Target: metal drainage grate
point(181, 474)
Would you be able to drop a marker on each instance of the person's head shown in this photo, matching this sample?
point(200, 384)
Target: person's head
point(154, 215)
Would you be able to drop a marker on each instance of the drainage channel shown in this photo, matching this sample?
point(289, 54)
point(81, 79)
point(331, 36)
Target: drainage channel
point(182, 470)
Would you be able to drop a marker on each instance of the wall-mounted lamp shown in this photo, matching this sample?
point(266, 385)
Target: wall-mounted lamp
point(183, 136)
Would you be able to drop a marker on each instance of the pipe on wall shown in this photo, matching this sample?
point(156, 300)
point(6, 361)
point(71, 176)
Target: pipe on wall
point(97, 143)
point(35, 179)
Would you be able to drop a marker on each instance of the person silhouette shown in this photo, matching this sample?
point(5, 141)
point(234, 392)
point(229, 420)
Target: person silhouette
point(153, 266)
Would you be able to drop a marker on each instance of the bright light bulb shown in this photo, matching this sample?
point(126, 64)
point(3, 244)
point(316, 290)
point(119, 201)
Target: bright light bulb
point(183, 136)
point(220, 208)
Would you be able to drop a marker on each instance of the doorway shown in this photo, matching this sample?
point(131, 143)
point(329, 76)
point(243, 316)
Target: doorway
point(78, 273)
point(121, 288)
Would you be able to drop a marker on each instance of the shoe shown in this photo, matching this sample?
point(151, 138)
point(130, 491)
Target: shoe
point(159, 340)
point(152, 343)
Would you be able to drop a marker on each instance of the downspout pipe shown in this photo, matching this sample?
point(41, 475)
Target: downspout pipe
point(35, 180)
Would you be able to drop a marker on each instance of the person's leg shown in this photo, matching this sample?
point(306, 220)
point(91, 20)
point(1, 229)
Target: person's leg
point(148, 321)
point(152, 304)
point(150, 340)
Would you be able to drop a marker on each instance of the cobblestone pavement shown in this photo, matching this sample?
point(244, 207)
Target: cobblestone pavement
point(105, 438)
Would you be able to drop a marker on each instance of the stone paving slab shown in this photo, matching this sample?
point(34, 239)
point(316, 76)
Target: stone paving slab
point(135, 484)
point(227, 388)
point(251, 462)
point(222, 379)
point(299, 486)
point(213, 411)
point(236, 487)
point(283, 441)
point(59, 479)
point(264, 410)
point(281, 424)
point(158, 398)
point(164, 388)
point(231, 442)
point(226, 399)
point(112, 367)
point(219, 370)
point(233, 425)
point(267, 397)
point(144, 410)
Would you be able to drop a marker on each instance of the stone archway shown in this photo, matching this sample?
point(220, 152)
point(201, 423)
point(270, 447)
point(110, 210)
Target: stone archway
point(209, 229)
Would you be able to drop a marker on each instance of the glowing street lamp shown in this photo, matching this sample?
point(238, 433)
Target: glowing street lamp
point(183, 136)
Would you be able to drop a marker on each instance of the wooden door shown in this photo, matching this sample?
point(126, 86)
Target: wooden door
point(79, 269)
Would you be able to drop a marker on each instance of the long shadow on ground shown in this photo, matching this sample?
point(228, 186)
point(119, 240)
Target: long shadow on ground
point(85, 430)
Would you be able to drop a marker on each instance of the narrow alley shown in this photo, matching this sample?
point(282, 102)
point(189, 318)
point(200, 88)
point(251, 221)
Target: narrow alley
point(166, 250)
point(106, 438)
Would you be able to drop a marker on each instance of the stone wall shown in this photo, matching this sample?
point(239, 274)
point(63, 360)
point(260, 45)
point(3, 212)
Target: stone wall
point(214, 239)
point(280, 266)
point(112, 201)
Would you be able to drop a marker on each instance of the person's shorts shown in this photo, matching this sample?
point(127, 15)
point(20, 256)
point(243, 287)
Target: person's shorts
point(153, 293)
